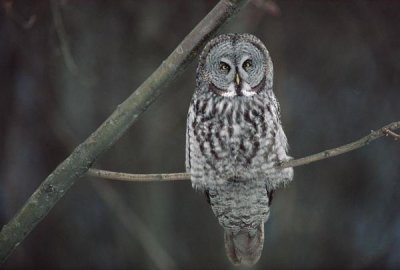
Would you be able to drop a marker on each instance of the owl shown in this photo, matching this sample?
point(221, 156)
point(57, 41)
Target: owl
point(234, 140)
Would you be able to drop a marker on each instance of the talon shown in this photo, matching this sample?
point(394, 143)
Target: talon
point(391, 133)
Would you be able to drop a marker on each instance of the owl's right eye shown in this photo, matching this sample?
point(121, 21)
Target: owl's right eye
point(224, 67)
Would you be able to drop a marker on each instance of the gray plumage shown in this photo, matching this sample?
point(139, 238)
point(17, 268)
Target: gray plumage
point(234, 138)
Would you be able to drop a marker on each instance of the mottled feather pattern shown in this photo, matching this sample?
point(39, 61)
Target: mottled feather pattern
point(235, 139)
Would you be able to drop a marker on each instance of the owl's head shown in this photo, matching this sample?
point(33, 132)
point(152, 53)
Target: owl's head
point(235, 65)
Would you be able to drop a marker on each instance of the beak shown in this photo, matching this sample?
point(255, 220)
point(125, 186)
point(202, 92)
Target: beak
point(237, 79)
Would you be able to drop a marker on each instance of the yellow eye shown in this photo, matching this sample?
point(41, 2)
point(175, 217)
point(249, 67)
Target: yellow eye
point(224, 66)
point(247, 64)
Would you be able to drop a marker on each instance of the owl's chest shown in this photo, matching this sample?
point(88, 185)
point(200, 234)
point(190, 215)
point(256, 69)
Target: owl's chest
point(233, 139)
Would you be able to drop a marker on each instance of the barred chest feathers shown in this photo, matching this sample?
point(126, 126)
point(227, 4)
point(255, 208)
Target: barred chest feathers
point(235, 137)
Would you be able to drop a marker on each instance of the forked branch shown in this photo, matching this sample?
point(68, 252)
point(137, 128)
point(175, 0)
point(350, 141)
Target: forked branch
point(387, 130)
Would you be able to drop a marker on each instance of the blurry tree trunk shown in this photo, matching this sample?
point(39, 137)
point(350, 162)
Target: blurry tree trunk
point(27, 104)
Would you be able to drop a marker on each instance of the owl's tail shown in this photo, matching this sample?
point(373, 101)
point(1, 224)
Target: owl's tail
point(243, 247)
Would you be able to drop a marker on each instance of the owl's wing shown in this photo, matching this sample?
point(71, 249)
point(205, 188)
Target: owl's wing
point(189, 135)
point(279, 177)
point(194, 161)
point(276, 111)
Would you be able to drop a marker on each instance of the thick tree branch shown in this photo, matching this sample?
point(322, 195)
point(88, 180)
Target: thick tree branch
point(64, 176)
point(386, 130)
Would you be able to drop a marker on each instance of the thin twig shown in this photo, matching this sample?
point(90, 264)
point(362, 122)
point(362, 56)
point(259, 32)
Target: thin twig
point(62, 36)
point(343, 149)
point(55, 186)
point(17, 18)
point(137, 177)
point(388, 129)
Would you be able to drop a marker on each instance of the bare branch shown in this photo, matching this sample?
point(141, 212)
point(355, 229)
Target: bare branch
point(386, 130)
point(64, 176)
point(138, 177)
point(343, 149)
point(17, 18)
point(62, 36)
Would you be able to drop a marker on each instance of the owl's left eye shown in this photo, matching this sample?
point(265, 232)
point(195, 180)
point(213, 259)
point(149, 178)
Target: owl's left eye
point(247, 64)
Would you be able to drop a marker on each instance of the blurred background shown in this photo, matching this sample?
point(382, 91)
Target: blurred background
point(66, 65)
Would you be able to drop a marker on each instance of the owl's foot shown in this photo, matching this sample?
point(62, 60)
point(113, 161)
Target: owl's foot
point(391, 133)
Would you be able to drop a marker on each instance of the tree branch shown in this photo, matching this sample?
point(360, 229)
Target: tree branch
point(345, 148)
point(64, 176)
point(137, 177)
point(62, 36)
point(384, 131)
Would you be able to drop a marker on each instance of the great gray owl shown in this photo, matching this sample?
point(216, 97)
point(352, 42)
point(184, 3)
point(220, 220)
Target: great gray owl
point(234, 138)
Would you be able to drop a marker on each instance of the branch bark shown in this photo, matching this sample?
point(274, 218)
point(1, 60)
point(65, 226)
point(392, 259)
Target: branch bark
point(64, 176)
point(384, 131)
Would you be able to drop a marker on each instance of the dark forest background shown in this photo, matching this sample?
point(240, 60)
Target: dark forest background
point(65, 66)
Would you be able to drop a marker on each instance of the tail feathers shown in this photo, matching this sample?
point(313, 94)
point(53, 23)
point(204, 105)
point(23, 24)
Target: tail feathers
point(244, 247)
